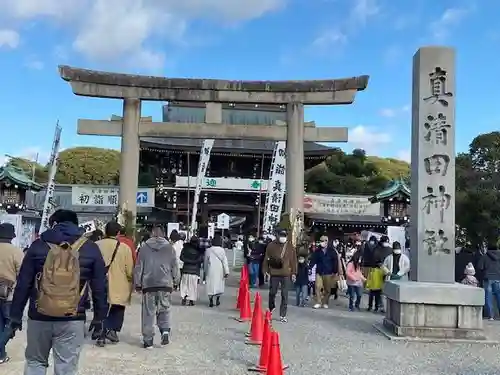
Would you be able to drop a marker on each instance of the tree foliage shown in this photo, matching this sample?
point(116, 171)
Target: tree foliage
point(477, 189)
point(354, 173)
point(88, 165)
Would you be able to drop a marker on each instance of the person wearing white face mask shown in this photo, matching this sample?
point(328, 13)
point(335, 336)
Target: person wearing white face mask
point(327, 265)
point(280, 263)
point(397, 265)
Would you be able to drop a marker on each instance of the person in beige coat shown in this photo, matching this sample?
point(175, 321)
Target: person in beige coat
point(120, 265)
point(11, 258)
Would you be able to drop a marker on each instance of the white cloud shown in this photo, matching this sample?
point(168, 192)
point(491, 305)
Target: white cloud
point(394, 112)
point(9, 38)
point(35, 64)
point(451, 18)
point(122, 30)
point(369, 139)
point(404, 155)
point(359, 15)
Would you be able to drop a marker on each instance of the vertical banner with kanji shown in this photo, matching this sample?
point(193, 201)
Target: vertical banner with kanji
point(276, 188)
point(49, 204)
point(202, 169)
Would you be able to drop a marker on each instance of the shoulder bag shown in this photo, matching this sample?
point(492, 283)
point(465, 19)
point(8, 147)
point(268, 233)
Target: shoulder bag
point(277, 263)
point(113, 256)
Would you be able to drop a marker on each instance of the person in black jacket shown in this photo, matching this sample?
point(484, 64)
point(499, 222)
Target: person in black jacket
point(192, 259)
point(65, 336)
point(489, 266)
point(255, 256)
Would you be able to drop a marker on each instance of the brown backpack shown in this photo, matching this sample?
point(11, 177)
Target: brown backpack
point(59, 292)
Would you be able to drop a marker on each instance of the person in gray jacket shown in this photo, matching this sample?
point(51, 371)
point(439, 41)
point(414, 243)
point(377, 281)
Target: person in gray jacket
point(156, 274)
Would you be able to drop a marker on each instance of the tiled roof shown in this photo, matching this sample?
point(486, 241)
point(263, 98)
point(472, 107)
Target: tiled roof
point(395, 187)
point(17, 176)
point(226, 145)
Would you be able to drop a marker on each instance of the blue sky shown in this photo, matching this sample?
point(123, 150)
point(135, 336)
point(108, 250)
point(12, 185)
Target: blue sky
point(244, 39)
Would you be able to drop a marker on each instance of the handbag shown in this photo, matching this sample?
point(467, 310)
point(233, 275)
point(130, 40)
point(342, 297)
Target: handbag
point(342, 284)
point(6, 287)
point(277, 263)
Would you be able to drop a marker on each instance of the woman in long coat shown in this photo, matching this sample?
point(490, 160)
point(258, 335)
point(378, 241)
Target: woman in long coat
point(216, 270)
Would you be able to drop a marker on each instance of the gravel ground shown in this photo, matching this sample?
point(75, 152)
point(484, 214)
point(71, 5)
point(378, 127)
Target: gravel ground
point(313, 342)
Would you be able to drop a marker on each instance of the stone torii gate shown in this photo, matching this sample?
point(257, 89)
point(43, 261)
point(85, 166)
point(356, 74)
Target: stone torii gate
point(132, 89)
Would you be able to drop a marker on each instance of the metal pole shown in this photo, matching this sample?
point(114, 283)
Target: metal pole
point(260, 194)
point(188, 189)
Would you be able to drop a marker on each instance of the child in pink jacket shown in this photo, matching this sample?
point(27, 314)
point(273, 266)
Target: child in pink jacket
point(355, 281)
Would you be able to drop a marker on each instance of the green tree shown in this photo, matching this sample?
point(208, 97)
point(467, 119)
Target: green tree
point(88, 165)
point(477, 193)
point(354, 173)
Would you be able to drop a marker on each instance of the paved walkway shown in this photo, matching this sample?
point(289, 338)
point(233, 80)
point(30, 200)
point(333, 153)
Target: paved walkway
point(314, 342)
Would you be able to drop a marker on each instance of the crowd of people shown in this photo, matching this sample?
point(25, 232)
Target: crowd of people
point(66, 276)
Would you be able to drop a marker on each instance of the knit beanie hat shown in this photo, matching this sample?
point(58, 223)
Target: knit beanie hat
point(469, 270)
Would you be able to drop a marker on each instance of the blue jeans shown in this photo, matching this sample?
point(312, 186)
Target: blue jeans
point(301, 293)
point(253, 270)
point(491, 291)
point(4, 319)
point(355, 293)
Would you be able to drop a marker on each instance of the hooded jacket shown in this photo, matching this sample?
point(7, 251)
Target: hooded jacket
point(92, 271)
point(489, 265)
point(156, 268)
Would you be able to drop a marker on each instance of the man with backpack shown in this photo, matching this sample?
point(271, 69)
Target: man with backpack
point(120, 266)
point(55, 276)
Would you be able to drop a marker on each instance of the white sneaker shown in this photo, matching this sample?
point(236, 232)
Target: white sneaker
point(316, 306)
point(325, 306)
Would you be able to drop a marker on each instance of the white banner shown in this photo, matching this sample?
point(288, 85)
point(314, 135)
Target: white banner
point(49, 205)
point(202, 169)
point(276, 188)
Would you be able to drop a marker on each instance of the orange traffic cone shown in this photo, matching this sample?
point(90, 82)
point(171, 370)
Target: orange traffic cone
point(265, 347)
point(245, 309)
point(243, 285)
point(257, 326)
point(275, 365)
point(244, 273)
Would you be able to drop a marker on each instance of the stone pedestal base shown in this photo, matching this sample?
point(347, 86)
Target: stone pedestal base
point(434, 311)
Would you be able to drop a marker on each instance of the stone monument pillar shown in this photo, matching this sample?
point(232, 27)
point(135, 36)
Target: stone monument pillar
point(432, 305)
point(130, 152)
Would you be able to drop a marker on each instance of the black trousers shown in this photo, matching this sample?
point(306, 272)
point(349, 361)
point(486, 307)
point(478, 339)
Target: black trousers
point(375, 296)
point(275, 283)
point(114, 320)
point(261, 274)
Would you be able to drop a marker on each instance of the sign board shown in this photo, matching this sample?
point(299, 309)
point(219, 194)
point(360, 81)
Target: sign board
point(107, 196)
point(340, 205)
point(223, 183)
point(171, 227)
point(89, 226)
point(223, 221)
point(17, 222)
point(211, 230)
